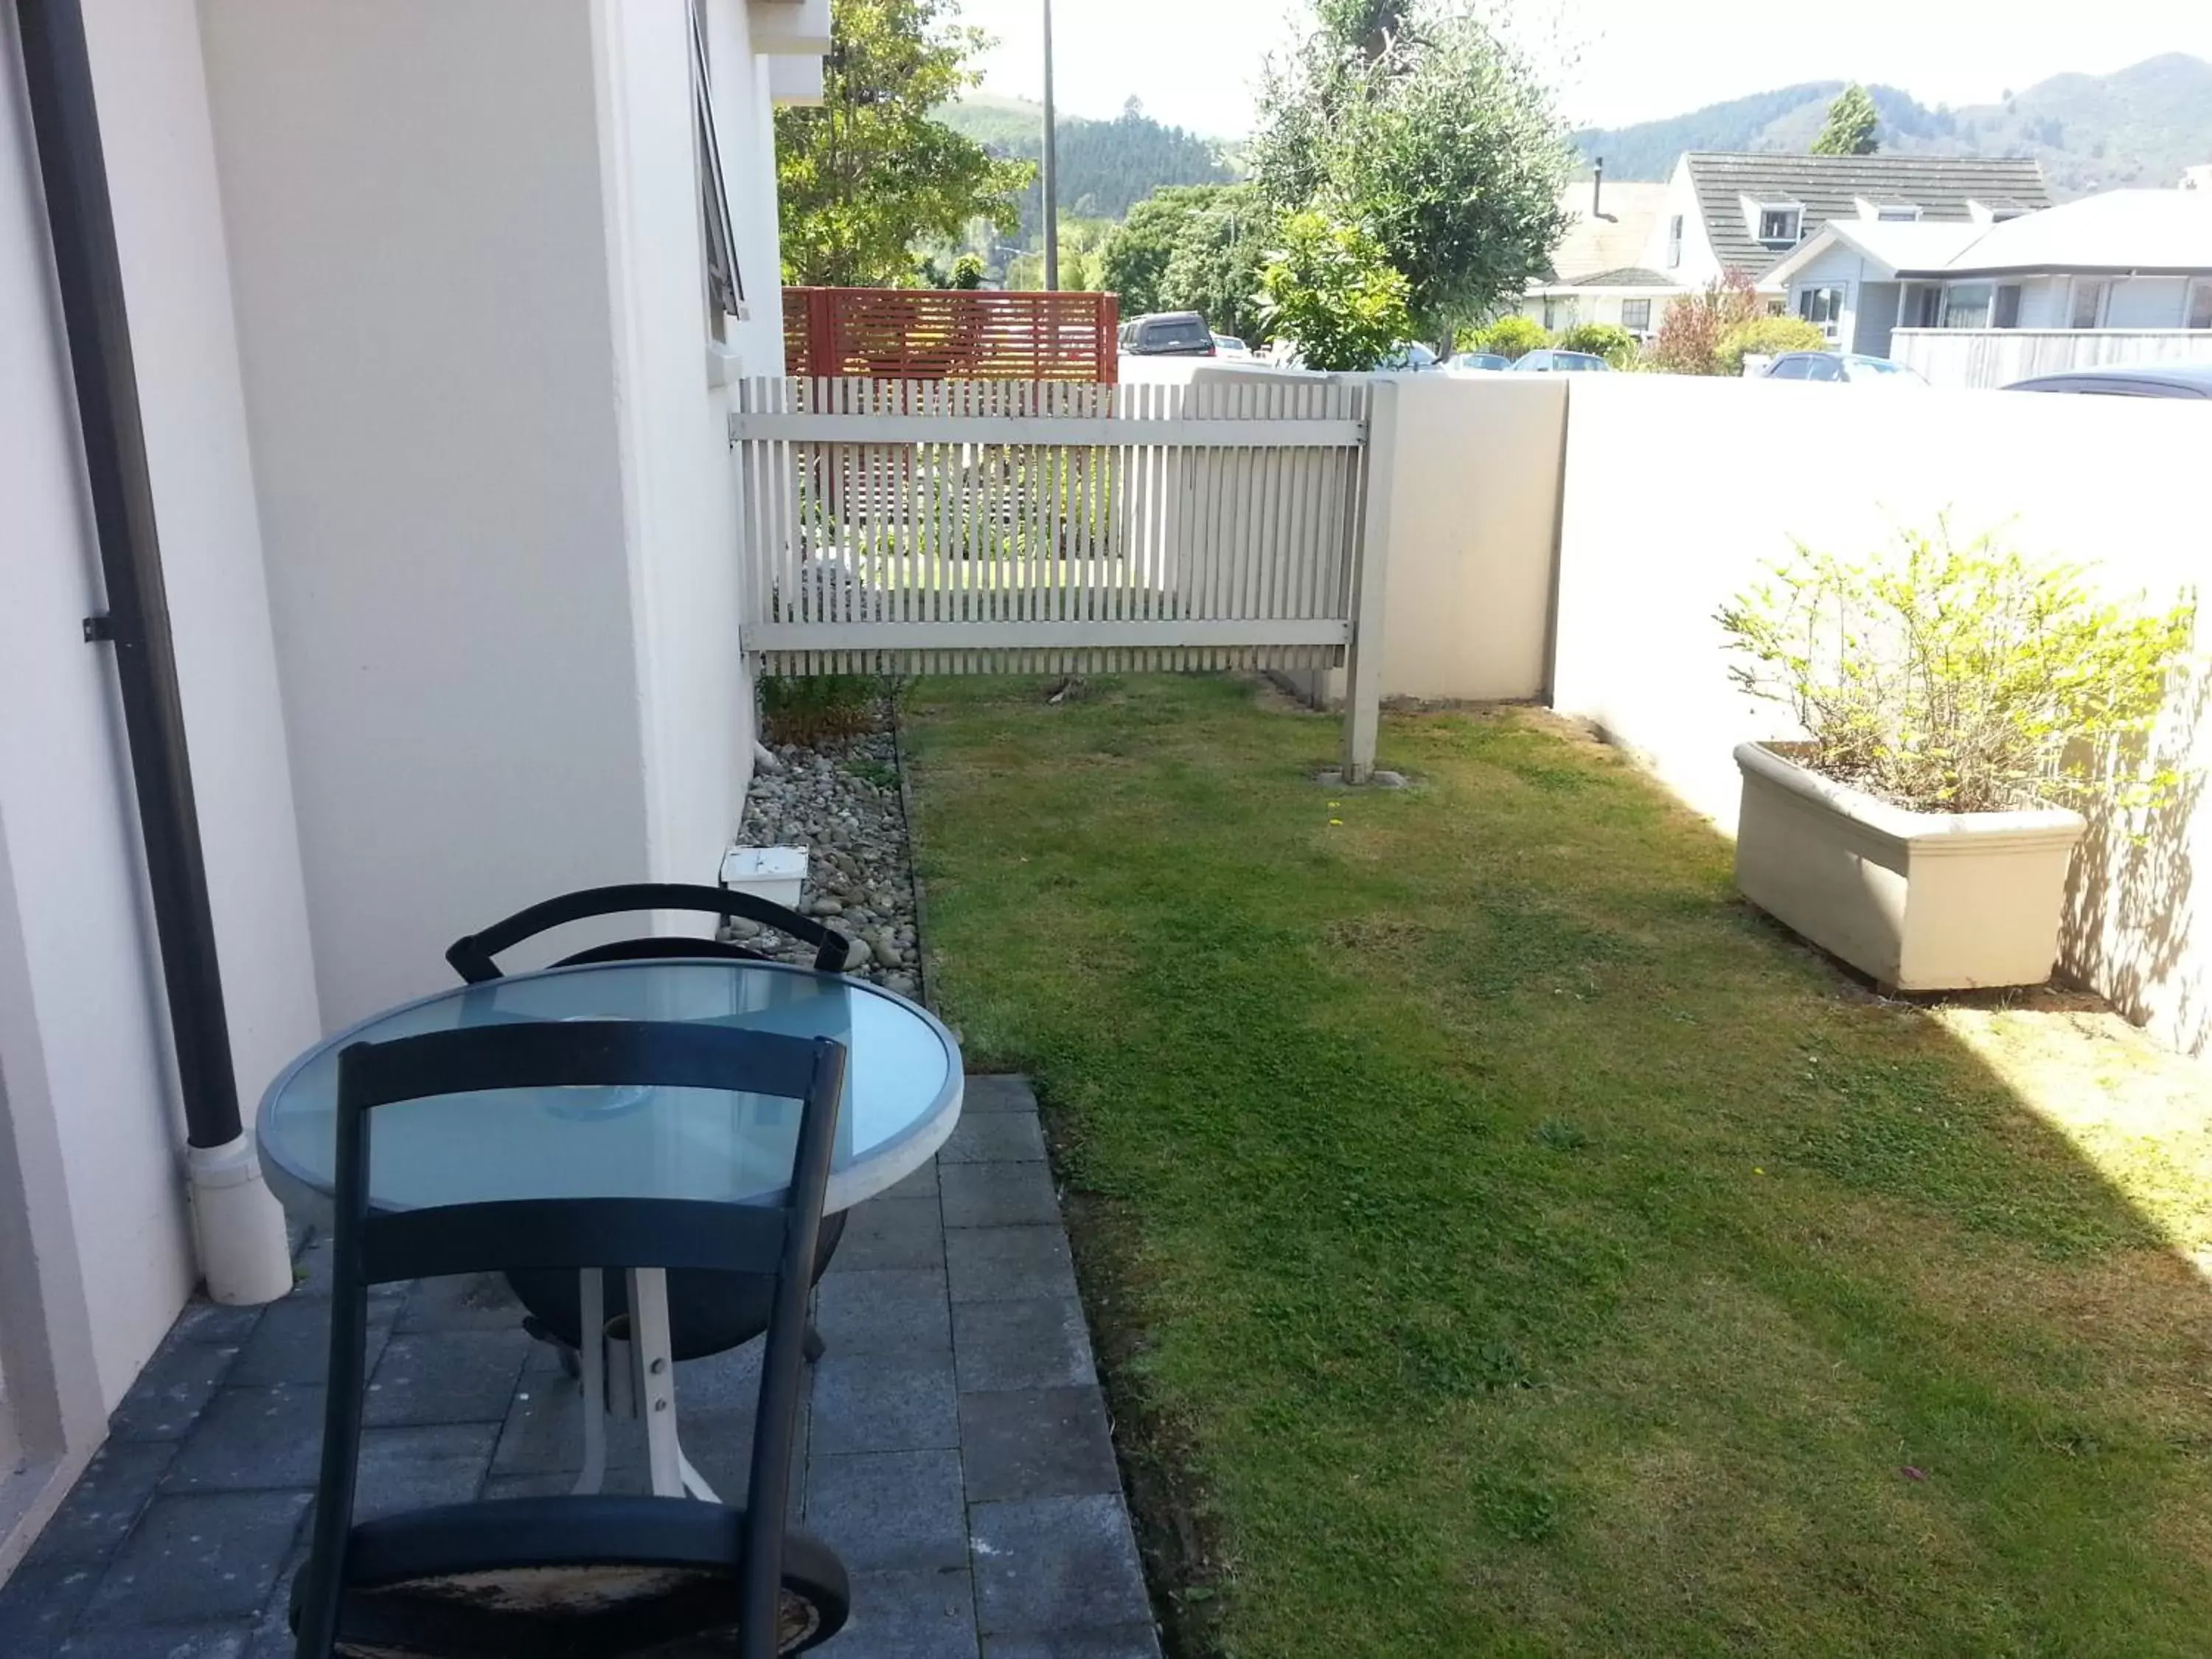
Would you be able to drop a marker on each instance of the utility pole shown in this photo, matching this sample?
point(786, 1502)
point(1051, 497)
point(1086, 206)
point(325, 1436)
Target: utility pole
point(1051, 196)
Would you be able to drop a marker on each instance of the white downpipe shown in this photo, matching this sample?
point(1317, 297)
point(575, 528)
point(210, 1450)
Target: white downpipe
point(237, 1230)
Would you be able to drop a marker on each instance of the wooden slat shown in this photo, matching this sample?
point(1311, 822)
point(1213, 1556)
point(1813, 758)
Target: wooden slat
point(1040, 635)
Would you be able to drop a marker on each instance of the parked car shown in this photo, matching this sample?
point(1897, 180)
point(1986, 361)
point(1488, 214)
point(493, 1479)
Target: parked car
point(1855, 367)
point(1477, 362)
point(1168, 334)
point(1407, 357)
point(1227, 345)
point(1550, 362)
point(2127, 380)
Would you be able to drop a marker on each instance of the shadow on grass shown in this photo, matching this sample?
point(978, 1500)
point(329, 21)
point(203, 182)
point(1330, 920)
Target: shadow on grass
point(1502, 1240)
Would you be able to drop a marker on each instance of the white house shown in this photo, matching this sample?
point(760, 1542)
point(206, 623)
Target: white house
point(1595, 275)
point(392, 338)
point(2136, 260)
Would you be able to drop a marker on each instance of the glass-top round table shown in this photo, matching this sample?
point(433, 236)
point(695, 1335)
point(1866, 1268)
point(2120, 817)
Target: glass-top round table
point(902, 1098)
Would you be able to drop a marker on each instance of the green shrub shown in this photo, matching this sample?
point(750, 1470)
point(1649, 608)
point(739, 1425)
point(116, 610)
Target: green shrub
point(1607, 340)
point(818, 708)
point(1512, 335)
point(1769, 336)
point(1948, 678)
point(1329, 287)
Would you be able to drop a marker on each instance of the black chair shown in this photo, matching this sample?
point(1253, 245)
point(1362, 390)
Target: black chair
point(574, 1577)
point(707, 1313)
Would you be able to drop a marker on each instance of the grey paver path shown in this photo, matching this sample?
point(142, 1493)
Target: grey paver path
point(956, 1446)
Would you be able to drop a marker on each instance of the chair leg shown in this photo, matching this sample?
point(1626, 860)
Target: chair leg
point(591, 1300)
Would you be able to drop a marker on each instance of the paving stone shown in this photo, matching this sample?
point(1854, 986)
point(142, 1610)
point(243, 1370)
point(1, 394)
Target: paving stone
point(171, 1392)
point(1123, 1642)
point(883, 1402)
point(908, 1615)
point(39, 1602)
point(466, 1302)
point(252, 1439)
point(543, 1432)
point(1003, 1091)
point(205, 1642)
point(923, 1183)
point(292, 1344)
point(634, 1481)
point(1036, 1443)
point(887, 1512)
point(1055, 1564)
point(1003, 1264)
point(884, 1310)
point(1035, 1342)
point(998, 1195)
point(445, 1376)
point(993, 1137)
point(104, 1503)
point(198, 1558)
point(891, 1232)
point(311, 1272)
point(414, 1468)
point(204, 1321)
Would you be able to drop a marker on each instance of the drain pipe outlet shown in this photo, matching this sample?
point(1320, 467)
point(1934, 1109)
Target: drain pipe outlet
point(236, 1225)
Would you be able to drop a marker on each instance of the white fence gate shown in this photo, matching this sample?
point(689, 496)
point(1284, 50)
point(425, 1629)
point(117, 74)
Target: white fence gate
point(1998, 356)
point(939, 526)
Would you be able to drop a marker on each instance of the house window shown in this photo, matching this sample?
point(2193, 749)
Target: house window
point(2199, 313)
point(1966, 306)
point(2090, 297)
point(1674, 242)
point(1898, 212)
point(2007, 311)
point(726, 289)
point(1823, 305)
point(1777, 224)
point(1559, 313)
point(1636, 314)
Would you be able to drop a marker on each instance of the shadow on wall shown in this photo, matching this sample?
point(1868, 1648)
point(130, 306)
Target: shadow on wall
point(2129, 899)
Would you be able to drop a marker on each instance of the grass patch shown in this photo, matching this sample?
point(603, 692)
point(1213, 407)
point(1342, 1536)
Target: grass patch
point(1502, 1241)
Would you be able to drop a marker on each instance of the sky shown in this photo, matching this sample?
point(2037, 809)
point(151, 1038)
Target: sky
point(1195, 62)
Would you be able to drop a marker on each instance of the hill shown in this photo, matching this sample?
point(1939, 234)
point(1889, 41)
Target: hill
point(1105, 166)
point(2139, 126)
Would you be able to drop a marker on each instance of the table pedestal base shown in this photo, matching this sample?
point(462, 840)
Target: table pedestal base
point(644, 1375)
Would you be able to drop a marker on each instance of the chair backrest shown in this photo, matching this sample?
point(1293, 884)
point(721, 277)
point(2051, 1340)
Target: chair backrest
point(369, 1247)
point(471, 954)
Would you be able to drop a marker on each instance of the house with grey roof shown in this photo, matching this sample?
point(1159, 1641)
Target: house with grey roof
point(2126, 274)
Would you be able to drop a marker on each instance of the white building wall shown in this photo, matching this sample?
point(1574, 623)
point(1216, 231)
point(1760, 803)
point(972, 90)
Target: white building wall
point(84, 1046)
point(415, 201)
point(1699, 265)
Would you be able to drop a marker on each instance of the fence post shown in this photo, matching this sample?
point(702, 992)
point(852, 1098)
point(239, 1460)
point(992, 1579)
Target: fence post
point(1362, 690)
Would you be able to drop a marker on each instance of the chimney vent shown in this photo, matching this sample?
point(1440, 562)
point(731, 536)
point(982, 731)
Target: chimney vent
point(1597, 187)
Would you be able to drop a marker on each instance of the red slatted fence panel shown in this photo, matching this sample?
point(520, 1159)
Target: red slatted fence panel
point(955, 334)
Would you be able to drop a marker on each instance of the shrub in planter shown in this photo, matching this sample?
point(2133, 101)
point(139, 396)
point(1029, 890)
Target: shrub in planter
point(1957, 703)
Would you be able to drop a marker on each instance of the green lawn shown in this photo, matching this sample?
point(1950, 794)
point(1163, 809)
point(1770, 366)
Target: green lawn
point(1502, 1241)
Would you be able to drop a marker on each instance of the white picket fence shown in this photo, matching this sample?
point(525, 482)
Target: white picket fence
point(1998, 356)
point(958, 526)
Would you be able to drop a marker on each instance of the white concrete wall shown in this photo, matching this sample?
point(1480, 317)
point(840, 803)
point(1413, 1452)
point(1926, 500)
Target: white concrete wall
point(1676, 491)
point(92, 1123)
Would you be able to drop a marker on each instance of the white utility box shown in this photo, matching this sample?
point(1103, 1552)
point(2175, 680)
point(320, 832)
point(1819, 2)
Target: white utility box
point(773, 873)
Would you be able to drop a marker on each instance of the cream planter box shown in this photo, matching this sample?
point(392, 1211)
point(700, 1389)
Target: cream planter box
point(1920, 901)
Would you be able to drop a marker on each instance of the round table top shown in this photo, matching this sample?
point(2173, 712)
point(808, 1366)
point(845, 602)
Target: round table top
point(902, 1085)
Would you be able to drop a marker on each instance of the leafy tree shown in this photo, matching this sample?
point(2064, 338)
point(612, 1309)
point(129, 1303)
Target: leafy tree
point(1852, 120)
point(1419, 123)
point(1768, 336)
point(1514, 336)
point(1135, 259)
point(1219, 259)
point(1691, 332)
point(1329, 288)
point(868, 173)
point(1607, 340)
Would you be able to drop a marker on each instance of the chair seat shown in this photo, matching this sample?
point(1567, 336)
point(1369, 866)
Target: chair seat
point(570, 1578)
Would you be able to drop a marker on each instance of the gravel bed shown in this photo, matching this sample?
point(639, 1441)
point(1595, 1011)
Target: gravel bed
point(842, 804)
